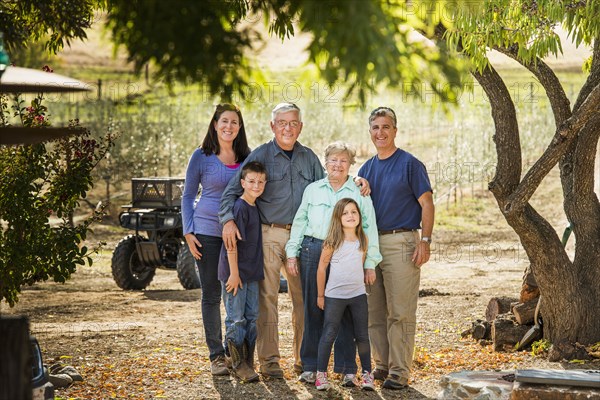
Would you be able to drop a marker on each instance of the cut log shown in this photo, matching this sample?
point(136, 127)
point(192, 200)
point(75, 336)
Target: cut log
point(529, 292)
point(506, 333)
point(498, 305)
point(482, 330)
point(524, 312)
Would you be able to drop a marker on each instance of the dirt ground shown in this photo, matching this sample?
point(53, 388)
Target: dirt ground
point(149, 344)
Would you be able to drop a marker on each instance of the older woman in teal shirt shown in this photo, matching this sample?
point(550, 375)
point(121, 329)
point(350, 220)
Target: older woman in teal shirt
point(309, 229)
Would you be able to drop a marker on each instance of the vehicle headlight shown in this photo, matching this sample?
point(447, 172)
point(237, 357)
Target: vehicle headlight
point(124, 219)
point(169, 221)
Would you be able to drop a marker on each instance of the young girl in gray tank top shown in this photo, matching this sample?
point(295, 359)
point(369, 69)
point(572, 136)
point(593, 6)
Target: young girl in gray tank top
point(344, 252)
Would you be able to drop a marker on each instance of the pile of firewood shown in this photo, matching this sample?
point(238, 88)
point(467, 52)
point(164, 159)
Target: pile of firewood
point(506, 322)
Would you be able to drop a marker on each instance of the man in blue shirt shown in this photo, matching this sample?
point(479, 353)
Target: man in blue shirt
point(403, 201)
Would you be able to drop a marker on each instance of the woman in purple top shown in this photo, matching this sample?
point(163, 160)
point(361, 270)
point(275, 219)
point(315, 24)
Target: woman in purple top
point(209, 170)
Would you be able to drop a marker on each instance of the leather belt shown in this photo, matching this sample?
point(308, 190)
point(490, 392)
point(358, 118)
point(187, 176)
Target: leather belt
point(286, 227)
point(396, 231)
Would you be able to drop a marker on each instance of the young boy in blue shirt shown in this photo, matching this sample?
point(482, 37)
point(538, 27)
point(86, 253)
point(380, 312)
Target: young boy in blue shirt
point(240, 270)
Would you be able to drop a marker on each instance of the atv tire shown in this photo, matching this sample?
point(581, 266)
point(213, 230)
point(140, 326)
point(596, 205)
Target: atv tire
point(127, 269)
point(187, 270)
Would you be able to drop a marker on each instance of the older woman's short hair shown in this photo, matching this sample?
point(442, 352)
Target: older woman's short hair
point(383, 112)
point(285, 107)
point(341, 147)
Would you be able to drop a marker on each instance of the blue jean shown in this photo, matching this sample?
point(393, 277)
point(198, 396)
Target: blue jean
point(211, 293)
point(344, 360)
point(242, 313)
point(334, 314)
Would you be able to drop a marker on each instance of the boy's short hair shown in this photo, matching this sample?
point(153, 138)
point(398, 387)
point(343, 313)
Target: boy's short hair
point(253, 166)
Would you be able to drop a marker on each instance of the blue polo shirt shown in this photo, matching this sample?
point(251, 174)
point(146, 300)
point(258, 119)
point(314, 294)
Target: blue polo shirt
point(396, 185)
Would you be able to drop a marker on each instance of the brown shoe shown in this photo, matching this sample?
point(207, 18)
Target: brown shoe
point(218, 366)
point(244, 373)
point(395, 382)
point(298, 369)
point(380, 374)
point(272, 370)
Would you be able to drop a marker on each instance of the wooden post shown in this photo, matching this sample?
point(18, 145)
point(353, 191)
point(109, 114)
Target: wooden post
point(15, 356)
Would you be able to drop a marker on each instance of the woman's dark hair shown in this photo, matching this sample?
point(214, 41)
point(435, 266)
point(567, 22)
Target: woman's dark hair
point(210, 144)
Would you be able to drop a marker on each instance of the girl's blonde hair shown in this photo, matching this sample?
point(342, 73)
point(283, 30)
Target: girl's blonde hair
point(335, 234)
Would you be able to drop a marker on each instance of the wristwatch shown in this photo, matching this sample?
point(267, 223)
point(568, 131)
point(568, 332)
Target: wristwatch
point(426, 239)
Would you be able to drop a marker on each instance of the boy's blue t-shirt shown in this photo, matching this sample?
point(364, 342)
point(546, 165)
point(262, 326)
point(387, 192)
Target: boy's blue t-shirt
point(249, 249)
point(396, 183)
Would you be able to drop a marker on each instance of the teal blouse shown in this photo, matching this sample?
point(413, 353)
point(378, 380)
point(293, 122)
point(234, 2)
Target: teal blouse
point(314, 216)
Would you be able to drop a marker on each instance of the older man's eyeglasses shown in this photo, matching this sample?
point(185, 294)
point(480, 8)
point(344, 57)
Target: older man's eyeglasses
point(283, 124)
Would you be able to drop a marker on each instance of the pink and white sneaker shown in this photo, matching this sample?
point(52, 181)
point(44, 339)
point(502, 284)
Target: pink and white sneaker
point(321, 383)
point(368, 382)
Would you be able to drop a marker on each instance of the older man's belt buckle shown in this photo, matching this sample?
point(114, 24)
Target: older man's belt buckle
point(286, 227)
point(394, 231)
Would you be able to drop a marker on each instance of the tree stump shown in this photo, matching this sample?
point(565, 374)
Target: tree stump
point(506, 333)
point(15, 359)
point(497, 306)
point(525, 312)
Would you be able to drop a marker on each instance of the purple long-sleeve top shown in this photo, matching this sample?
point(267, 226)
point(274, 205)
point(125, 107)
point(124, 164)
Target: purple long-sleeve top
point(208, 173)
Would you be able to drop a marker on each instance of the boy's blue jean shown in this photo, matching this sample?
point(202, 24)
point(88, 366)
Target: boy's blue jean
point(242, 313)
point(208, 267)
point(334, 313)
point(344, 356)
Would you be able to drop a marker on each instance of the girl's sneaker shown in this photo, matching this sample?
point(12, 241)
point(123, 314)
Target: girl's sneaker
point(368, 383)
point(321, 382)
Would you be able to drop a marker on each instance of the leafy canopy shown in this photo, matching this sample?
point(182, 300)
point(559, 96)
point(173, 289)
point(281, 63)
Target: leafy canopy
point(358, 43)
point(525, 26)
point(55, 21)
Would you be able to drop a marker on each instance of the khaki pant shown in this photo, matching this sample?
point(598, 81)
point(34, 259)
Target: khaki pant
point(267, 345)
point(393, 304)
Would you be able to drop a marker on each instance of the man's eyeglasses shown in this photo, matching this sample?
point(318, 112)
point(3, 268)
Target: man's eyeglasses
point(282, 123)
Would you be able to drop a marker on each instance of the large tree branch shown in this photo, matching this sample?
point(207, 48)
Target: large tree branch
point(564, 135)
point(561, 107)
point(593, 79)
point(508, 145)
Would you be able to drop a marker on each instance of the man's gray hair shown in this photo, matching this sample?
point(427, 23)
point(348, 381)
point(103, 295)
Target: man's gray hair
point(383, 112)
point(341, 147)
point(285, 107)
